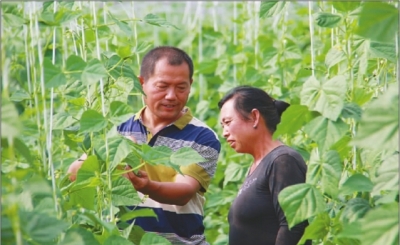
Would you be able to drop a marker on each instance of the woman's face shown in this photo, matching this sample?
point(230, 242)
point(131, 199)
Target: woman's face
point(236, 130)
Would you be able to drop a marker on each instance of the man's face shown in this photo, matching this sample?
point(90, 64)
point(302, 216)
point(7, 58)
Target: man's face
point(167, 90)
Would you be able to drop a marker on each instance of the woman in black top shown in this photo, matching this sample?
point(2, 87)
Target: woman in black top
point(249, 117)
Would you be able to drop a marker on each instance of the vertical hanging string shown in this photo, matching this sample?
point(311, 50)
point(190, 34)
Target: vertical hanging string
point(49, 138)
point(310, 22)
point(135, 35)
point(214, 14)
point(43, 91)
point(256, 31)
point(235, 41)
point(28, 69)
point(105, 20)
point(200, 49)
point(103, 112)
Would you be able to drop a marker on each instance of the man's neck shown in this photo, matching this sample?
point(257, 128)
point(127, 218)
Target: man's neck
point(155, 124)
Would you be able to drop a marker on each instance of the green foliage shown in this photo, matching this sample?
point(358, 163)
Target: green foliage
point(340, 79)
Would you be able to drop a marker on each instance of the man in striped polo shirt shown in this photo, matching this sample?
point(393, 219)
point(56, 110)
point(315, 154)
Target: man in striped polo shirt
point(166, 78)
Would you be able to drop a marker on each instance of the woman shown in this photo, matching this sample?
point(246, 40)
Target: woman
point(249, 117)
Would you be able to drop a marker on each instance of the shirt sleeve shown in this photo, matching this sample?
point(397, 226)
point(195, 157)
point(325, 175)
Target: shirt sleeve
point(286, 170)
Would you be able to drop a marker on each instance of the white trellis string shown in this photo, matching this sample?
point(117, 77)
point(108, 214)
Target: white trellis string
point(310, 22)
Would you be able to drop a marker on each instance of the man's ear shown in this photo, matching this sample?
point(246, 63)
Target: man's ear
point(191, 81)
point(141, 80)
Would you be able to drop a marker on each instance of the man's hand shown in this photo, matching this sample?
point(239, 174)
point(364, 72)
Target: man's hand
point(75, 166)
point(140, 181)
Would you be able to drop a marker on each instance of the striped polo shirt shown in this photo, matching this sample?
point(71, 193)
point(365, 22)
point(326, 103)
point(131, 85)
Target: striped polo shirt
point(179, 224)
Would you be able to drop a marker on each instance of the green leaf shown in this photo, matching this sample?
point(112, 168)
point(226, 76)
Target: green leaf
point(19, 147)
point(41, 228)
point(381, 225)
point(53, 75)
point(326, 171)
point(78, 235)
point(379, 125)
point(89, 169)
point(124, 51)
point(153, 239)
point(342, 147)
point(233, 172)
point(387, 175)
point(92, 121)
point(153, 19)
point(356, 182)
point(123, 193)
point(325, 132)
point(117, 240)
point(143, 212)
point(185, 156)
point(327, 19)
point(317, 229)
point(62, 120)
point(346, 6)
point(334, 56)
point(123, 26)
point(292, 119)
point(352, 110)
point(13, 20)
point(326, 97)
point(378, 21)
point(118, 149)
point(383, 50)
point(20, 95)
point(119, 112)
point(354, 210)
point(75, 64)
point(93, 72)
point(143, 46)
point(271, 8)
point(361, 95)
point(300, 202)
point(10, 123)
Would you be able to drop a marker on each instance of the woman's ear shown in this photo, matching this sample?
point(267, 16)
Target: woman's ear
point(255, 116)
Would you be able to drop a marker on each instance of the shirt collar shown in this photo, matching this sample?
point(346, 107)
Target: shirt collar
point(180, 123)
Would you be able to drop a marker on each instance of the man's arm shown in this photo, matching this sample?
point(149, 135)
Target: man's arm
point(175, 193)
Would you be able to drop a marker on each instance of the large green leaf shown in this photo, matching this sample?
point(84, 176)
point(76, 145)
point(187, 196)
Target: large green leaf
point(90, 168)
point(83, 197)
point(75, 66)
point(356, 182)
point(185, 156)
point(271, 8)
point(153, 19)
point(93, 72)
point(383, 50)
point(334, 56)
point(143, 212)
point(41, 228)
point(327, 19)
point(387, 175)
point(352, 110)
point(10, 123)
point(317, 229)
point(78, 235)
point(325, 132)
point(354, 210)
point(300, 202)
point(18, 147)
point(118, 149)
point(378, 21)
point(292, 119)
point(381, 225)
point(119, 112)
point(117, 240)
point(61, 120)
point(345, 6)
point(123, 193)
point(233, 172)
point(92, 121)
point(153, 239)
point(12, 20)
point(326, 171)
point(53, 76)
point(326, 97)
point(379, 126)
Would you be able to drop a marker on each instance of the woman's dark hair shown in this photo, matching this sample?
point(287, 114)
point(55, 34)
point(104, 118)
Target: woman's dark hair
point(175, 57)
point(247, 98)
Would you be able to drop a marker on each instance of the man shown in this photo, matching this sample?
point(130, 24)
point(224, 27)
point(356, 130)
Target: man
point(166, 78)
